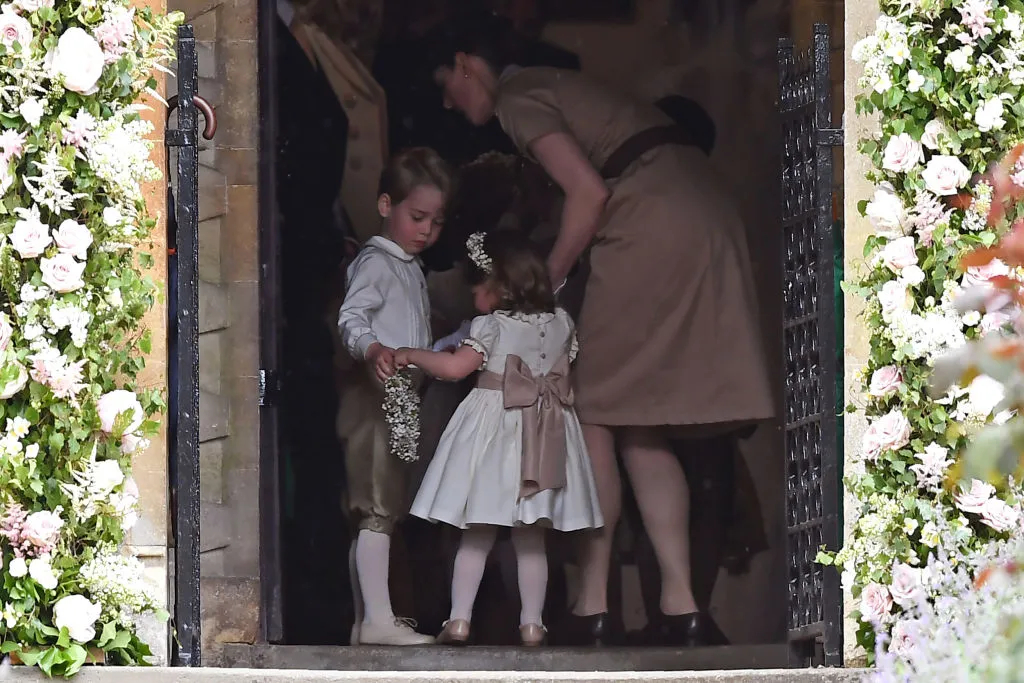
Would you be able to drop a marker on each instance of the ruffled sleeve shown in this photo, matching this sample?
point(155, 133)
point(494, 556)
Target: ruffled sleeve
point(483, 335)
point(528, 109)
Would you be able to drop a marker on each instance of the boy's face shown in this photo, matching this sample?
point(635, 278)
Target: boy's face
point(415, 223)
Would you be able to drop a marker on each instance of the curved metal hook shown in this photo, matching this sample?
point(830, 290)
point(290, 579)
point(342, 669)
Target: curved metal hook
point(200, 103)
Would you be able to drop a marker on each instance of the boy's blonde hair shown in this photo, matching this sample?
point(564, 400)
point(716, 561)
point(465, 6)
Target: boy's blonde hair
point(411, 168)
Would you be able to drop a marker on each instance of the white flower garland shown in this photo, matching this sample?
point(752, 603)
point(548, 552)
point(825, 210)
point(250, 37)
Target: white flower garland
point(73, 156)
point(942, 75)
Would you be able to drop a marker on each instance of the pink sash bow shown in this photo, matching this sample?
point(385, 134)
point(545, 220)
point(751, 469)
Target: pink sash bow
point(542, 400)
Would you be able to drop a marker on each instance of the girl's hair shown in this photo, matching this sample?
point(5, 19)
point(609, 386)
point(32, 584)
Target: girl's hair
point(479, 32)
point(411, 168)
point(518, 270)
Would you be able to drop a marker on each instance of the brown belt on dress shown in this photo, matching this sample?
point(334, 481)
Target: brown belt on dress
point(640, 143)
point(542, 399)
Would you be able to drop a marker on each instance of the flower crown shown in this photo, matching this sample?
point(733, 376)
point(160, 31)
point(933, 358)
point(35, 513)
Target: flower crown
point(479, 257)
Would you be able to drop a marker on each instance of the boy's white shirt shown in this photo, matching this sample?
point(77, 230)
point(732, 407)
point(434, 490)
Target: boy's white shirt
point(385, 300)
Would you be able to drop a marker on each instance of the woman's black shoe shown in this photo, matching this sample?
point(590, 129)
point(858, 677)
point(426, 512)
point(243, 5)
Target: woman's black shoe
point(676, 630)
point(594, 630)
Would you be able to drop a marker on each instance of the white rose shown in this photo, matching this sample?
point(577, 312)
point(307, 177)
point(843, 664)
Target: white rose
point(885, 210)
point(999, 515)
point(113, 403)
point(894, 297)
point(985, 394)
point(974, 498)
point(906, 585)
point(32, 111)
point(106, 476)
point(902, 153)
point(30, 236)
point(73, 238)
point(18, 567)
point(78, 615)
point(6, 331)
point(62, 273)
point(899, 253)
point(112, 217)
point(875, 603)
point(912, 275)
point(126, 504)
point(42, 572)
point(15, 385)
point(32, 5)
point(885, 381)
point(79, 59)
point(960, 59)
point(990, 115)
point(915, 81)
point(14, 29)
point(944, 175)
point(934, 131)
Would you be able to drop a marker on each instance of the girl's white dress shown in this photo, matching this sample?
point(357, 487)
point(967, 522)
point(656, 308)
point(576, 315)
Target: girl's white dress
point(475, 475)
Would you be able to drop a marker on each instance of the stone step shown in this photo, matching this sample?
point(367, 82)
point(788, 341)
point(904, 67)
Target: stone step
point(209, 675)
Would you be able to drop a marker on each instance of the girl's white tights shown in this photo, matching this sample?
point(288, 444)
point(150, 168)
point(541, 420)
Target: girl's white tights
point(471, 559)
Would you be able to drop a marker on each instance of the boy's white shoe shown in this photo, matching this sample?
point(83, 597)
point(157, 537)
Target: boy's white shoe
point(398, 632)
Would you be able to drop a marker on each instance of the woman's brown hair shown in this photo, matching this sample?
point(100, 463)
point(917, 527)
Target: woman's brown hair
point(412, 168)
point(519, 271)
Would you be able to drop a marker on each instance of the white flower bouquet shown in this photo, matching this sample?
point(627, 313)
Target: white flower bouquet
point(73, 292)
point(402, 413)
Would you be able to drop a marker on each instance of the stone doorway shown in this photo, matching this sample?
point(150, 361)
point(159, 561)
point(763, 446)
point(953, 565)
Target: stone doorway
point(314, 543)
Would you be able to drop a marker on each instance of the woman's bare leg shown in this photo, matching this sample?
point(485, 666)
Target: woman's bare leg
point(663, 497)
point(597, 545)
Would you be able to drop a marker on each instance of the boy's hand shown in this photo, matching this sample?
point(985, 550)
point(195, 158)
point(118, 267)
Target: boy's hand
point(382, 359)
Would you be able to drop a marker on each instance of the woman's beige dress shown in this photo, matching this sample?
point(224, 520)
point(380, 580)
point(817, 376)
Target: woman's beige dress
point(669, 330)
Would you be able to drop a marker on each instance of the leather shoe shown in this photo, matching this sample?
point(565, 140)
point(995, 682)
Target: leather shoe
point(454, 632)
point(592, 630)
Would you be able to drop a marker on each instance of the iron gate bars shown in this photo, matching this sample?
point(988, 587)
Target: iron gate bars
point(184, 403)
point(813, 492)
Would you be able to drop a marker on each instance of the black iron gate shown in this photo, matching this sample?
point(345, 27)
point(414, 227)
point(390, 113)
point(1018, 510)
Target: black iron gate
point(183, 348)
point(813, 488)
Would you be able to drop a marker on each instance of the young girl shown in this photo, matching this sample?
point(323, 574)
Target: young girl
point(385, 308)
point(513, 453)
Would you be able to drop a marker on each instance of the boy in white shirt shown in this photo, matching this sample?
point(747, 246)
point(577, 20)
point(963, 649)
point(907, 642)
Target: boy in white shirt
point(385, 307)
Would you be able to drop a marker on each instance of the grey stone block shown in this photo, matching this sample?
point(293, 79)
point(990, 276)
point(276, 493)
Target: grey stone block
point(213, 416)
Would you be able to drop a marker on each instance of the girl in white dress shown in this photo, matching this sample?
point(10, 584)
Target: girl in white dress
point(513, 453)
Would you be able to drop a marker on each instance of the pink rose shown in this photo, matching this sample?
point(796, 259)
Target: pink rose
point(894, 297)
point(12, 144)
point(902, 153)
point(6, 332)
point(980, 275)
point(945, 175)
point(902, 644)
point(899, 254)
point(934, 131)
point(42, 529)
point(906, 585)
point(62, 273)
point(885, 381)
point(14, 29)
point(33, 5)
point(875, 603)
point(73, 238)
point(888, 433)
point(30, 236)
point(999, 515)
point(112, 404)
point(975, 498)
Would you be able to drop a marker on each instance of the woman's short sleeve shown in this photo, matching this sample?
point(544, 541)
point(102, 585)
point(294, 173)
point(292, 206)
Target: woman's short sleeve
point(528, 111)
point(483, 335)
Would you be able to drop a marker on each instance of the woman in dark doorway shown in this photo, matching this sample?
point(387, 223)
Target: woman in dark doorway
point(668, 330)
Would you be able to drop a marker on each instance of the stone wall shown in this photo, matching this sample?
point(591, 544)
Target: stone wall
point(229, 320)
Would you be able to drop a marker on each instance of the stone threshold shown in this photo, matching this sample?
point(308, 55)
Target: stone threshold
point(209, 675)
point(489, 658)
